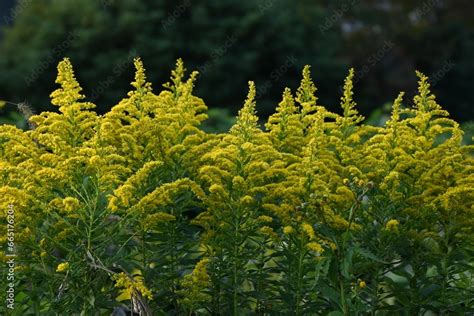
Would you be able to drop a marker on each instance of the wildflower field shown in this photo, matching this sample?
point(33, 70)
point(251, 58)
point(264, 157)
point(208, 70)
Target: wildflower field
point(315, 213)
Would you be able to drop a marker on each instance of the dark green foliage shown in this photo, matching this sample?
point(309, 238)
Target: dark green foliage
point(232, 42)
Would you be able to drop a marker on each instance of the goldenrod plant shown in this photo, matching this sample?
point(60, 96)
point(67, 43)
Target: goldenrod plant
point(140, 210)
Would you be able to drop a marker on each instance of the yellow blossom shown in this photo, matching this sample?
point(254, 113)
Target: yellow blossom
point(288, 230)
point(70, 204)
point(149, 161)
point(113, 203)
point(62, 267)
point(392, 225)
point(195, 284)
point(130, 284)
point(314, 246)
point(308, 230)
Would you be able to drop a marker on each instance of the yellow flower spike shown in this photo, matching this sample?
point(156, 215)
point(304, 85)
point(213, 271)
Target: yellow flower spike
point(247, 120)
point(285, 126)
point(130, 284)
point(195, 284)
point(424, 101)
point(395, 116)
point(308, 230)
point(177, 75)
point(140, 77)
point(305, 96)
point(113, 201)
point(66, 131)
point(362, 284)
point(157, 218)
point(124, 194)
point(200, 271)
point(70, 91)
point(350, 114)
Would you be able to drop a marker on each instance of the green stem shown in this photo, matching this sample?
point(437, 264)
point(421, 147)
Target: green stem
point(376, 294)
point(89, 230)
point(173, 268)
point(340, 278)
point(444, 265)
point(343, 295)
point(299, 274)
point(234, 271)
point(258, 286)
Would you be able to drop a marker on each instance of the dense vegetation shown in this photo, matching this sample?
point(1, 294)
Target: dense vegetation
point(317, 213)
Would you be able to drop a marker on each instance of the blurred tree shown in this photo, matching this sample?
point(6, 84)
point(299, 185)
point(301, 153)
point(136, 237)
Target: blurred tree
point(7, 12)
point(231, 42)
point(391, 38)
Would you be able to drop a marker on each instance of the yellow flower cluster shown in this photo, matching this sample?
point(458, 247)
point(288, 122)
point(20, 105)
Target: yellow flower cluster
point(194, 285)
point(62, 267)
point(131, 284)
point(70, 204)
point(392, 225)
point(308, 230)
point(147, 165)
point(314, 246)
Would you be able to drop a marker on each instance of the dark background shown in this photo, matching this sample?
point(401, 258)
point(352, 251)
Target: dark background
point(231, 42)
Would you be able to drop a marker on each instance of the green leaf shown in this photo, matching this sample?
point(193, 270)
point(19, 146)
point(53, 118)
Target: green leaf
point(369, 255)
point(347, 262)
point(330, 293)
